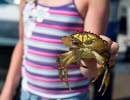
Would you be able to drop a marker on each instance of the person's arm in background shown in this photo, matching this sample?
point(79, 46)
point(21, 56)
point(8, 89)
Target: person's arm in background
point(14, 73)
point(96, 20)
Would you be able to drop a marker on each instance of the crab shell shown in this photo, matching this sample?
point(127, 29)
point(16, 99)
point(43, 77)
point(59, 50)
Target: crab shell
point(86, 39)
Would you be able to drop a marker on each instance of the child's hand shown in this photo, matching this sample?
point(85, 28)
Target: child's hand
point(92, 64)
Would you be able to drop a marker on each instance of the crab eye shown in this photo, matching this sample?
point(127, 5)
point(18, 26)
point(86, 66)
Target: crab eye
point(75, 41)
point(89, 41)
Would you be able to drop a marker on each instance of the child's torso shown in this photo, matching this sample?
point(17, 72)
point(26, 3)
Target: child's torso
point(44, 26)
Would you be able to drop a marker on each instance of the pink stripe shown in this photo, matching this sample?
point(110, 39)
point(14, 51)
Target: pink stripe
point(59, 91)
point(46, 39)
point(59, 27)
point(53, 80)
point(61, 12)
point(39, 66)
point(43, 54)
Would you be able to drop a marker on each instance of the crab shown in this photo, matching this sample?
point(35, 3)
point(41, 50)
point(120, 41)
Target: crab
point(84, 45)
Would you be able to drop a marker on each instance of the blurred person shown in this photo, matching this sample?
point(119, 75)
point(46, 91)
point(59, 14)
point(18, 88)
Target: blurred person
point(34, 57)
point(123, 30)
point(112, 33)
point(127, 53)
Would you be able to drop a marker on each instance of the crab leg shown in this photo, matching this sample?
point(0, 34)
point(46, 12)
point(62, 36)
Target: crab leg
point(63, 56)
point(67, 62)
point(106, 83)
point(59, 62)
point(106, 77)
point(80, 64)
point(100, 71)
point(105, 80)
point(100, 59)
point(103, 60)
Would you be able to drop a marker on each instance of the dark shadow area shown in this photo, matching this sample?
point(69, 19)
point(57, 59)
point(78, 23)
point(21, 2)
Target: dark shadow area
point(5, 56)
point(127, 98)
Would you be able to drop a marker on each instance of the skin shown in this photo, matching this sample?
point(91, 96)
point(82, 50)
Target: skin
point(95, 14)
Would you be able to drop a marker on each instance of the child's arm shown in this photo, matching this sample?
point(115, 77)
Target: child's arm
point(97, 15)
point(14, 73)
point(96, 21)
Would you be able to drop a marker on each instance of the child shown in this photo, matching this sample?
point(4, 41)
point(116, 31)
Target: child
point(42, 25)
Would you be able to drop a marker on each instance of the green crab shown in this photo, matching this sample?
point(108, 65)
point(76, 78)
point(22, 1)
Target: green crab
point(84, 45)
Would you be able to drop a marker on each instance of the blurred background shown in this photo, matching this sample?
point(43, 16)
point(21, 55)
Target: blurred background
point(118, 30)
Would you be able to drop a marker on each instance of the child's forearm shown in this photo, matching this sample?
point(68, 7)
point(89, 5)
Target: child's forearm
point(14, 72)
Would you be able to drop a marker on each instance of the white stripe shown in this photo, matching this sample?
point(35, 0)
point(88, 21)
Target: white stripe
point(51, 31)
point(40, 58)
point(64, 19)
point(49, 72)
point(45, 45)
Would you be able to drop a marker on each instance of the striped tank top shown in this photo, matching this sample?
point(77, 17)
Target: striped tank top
point(44, 27)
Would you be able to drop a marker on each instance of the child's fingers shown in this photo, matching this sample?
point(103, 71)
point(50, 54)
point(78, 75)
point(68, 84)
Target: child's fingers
point(114, 48)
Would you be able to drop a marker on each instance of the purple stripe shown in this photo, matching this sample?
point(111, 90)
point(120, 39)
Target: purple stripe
point(47, 36)
point(62, 23)
point(74, 88)
point(46, 76)
point(46, 50)
point(42, 63)
point(63, 7)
